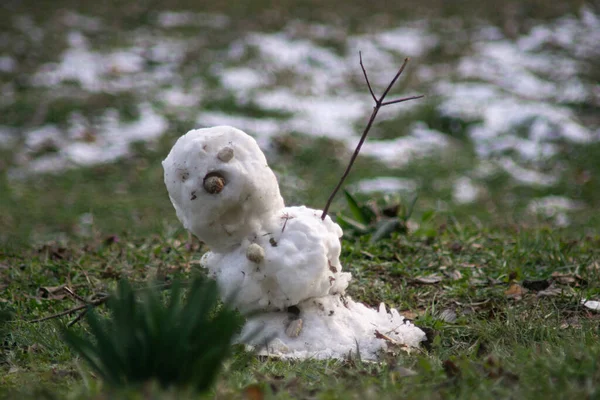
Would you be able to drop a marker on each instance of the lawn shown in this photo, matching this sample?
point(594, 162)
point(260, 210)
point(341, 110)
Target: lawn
point(494, 259)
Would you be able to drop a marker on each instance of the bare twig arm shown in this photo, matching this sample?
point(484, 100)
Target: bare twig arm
point(366, 77)
point(378, 104)
point(83, 309)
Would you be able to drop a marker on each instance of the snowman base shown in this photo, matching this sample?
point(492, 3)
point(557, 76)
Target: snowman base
point(331, 327)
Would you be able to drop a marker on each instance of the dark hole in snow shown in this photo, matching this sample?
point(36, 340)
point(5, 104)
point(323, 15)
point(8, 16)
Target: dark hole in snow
point(214, 182)
point(294, 310)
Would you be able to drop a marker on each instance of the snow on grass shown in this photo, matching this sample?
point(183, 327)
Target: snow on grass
point(421, 142)
point(518, 98)
point(85, 145)
point(465, 191)
point(386, 184)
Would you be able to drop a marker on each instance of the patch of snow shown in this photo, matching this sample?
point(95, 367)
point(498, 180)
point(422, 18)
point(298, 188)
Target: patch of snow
point(241, 78)
point(74, 20)
point(43, 137)
point(421, 142)
point(7, 63)
point(465, 191)
point(262, 129)
point(386, 184)
point(524, 175)
point(111, 140)
point(554, 207)
point(176, 19)
point(116, 71)
point(8, 137)
point(176, 97)
point(591, 304)
point(407, 41)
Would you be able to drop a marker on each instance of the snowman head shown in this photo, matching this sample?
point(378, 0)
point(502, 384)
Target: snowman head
point(220, 185)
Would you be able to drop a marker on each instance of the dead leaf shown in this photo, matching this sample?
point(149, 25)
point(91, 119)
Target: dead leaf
point(254, 392)
point(367, 254)
point(54, 252)
point(429, 279)
point(478, 282)
point(412, 314)
point(448, 315)
point(515, 291)
point(52, 292)
point(591, 304)
point(393, 343)
point(454, 274)
point(550, 292)
point(451, 369)
point(456, 247)
point(405, 372)
point(567, 278)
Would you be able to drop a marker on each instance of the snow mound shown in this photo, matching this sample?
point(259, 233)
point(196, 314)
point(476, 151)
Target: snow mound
point(333, 327)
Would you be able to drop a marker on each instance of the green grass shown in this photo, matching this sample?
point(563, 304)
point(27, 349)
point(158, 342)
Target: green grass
point(499, 346)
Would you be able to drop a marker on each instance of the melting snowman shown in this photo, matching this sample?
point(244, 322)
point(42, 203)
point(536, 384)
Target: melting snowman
point(281, 261)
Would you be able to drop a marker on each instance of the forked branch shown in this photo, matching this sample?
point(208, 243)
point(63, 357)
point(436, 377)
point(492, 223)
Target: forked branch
point(379, 102)
point(87, 305)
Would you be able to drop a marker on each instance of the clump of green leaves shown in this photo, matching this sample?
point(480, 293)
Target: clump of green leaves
point(378, 219)
point(179, 343)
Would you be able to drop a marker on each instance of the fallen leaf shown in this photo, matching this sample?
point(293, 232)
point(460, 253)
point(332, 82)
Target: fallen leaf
point(254, 392)
point(367, 254)
point(404, 372)
point(550, 292)
point(451, 369)
point(454, 274)
point(428, 280)
point(52, 292)
point(478, 282)
point(448, 315)
point(567, 278)
point(456, 247)
point(408, 314)
point(515, 291)
point(591, 304)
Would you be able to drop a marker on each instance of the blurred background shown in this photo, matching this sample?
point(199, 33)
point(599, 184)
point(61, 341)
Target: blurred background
point(94, 94)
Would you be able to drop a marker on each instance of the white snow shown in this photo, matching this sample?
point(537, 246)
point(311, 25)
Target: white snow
point(8, 137)
point(334, 327)
point(108, 141)
point(465, 191)
point(591, 304)
point(301, 254)
point(420, 142)
point(386, 184)
point(267, 257)
point(519, 95)
point(176, 19)
point(7, 63)
point(555, 208)
point(250, 193)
